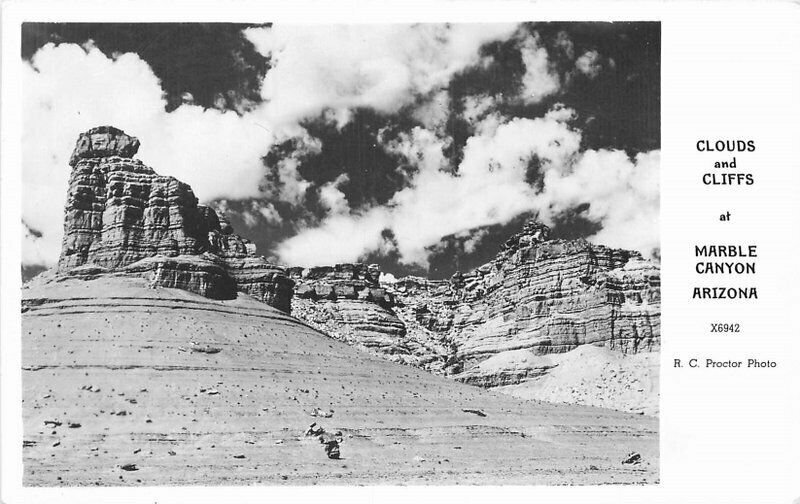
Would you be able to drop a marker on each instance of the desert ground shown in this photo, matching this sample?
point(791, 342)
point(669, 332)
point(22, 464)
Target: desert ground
point(124, 384)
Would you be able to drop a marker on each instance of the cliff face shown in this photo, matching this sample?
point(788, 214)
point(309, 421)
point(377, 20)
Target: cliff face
point(537, 297)
point(347, 302)
point(122, 217)
point(542, 296)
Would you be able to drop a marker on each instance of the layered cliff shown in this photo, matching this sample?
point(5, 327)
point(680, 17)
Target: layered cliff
point(121, 217)
point(543, 295)
point(347, 302)
point(538, 297)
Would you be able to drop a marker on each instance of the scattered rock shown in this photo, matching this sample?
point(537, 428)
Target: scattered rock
point(332, 449)
point(204, 349)
point(172, 453)
point(73, 425)
point(474, 412)
point(317, 412)
point(315, 430)
point(129, 467)
point(632, 458)
point(28, 444)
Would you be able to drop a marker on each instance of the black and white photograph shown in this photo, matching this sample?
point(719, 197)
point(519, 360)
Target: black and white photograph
point(340, 254)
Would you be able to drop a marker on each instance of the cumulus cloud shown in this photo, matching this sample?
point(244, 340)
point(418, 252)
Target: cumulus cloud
point(565, 45)
point(491, 187)
point(341, 238)
point(541, 79)
point(623, 196)
point(433, 112)
point(471, 239)
point(382, 67)
point(332, 198)
point(69, 89)
point(327, 72)
point(589, 64)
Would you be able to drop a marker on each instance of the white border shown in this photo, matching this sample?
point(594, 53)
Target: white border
point(715, 446)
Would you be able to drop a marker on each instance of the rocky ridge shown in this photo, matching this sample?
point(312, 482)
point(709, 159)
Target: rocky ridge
point(121, 217)
point(538, 296)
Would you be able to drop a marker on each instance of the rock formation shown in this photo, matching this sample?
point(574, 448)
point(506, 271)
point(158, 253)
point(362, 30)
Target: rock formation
point(487, 327)
point(122, 217)
point(537, 297)
point(347, 302)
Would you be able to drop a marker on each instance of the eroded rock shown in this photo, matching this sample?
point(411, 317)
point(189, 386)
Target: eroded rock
point(122, 217)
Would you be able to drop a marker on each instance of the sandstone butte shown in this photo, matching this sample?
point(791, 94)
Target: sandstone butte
point(161, 350)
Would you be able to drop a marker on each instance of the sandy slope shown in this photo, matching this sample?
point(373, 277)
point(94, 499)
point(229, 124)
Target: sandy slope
point(238, 416)
point(590, 375)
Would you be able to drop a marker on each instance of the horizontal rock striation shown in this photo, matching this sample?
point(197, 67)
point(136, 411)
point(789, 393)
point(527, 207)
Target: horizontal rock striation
point(347, 302)
point(537, 297)
point(343, 281)
point(121, 216)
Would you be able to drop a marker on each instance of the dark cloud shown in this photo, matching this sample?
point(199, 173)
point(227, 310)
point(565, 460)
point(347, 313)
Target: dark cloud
point(358, 150)
point(574, 223)
point(213, 62)
point(452, 254)
point(621, 108)
point(390, 260)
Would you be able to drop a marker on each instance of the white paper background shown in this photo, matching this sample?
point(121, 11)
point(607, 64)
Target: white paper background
point(729, 71)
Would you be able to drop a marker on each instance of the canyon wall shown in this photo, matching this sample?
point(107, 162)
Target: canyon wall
point(538, 296)
point(347, 302)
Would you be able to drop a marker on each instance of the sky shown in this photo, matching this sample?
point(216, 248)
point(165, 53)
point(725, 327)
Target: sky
point(418, 147)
